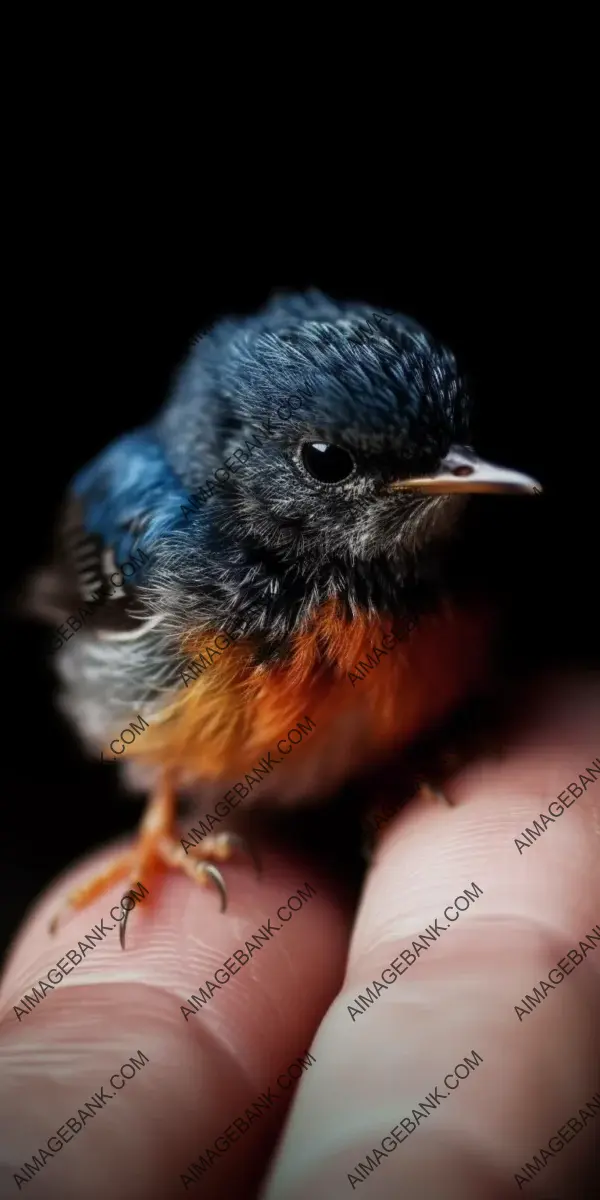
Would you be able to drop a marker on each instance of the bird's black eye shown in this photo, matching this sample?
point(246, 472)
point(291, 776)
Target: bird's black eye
point(327, 463)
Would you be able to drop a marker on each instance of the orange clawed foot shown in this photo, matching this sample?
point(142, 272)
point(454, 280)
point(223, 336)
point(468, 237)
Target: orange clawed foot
point(220, 846)
point(157, 847)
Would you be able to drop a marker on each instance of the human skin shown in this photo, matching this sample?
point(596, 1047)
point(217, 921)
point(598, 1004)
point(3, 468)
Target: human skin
point(294, 994)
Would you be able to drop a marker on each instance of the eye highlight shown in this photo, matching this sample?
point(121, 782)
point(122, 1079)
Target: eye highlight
point(327, 463)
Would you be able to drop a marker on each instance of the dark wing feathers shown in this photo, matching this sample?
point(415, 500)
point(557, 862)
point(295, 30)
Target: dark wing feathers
point(116, 506)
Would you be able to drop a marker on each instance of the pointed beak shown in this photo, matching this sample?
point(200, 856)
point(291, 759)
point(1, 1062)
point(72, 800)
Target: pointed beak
point(462, 471)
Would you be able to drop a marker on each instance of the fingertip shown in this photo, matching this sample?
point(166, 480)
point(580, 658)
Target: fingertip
point(215, 1041)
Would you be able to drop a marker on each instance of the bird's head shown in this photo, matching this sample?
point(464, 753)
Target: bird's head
point(337, 442)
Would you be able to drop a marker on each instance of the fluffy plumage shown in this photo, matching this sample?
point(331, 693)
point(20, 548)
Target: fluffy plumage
point(312, 570)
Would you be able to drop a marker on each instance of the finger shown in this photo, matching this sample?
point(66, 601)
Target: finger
point(204, 1068)
point(457, 997)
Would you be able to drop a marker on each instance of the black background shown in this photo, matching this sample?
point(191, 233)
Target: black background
point(111, 296)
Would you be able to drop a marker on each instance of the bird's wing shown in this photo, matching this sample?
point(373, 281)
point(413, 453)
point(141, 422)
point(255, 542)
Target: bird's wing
point(116, 507)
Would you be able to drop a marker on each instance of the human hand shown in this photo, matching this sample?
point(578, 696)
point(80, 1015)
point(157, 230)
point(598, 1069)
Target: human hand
point(369, 1069)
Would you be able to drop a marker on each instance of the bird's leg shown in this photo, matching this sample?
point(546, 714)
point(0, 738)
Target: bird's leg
point(138, 863)
point(155, 847)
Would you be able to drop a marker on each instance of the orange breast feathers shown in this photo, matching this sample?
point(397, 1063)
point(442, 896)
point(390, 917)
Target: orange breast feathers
point(236, 711)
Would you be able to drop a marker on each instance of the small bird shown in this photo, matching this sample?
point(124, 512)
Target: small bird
point(303, 485)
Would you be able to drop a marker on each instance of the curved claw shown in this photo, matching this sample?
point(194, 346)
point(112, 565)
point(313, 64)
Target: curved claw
point(220, 847)
point(122, 928)
point(219, 882)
